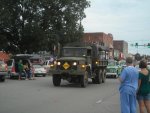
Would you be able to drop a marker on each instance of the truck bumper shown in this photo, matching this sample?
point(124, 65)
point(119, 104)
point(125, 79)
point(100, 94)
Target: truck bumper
point(67, 72)
point(111, 74)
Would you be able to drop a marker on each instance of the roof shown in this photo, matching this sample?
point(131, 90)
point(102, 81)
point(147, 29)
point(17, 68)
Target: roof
point(86, 45)
point(23, 56)
point(35, 57)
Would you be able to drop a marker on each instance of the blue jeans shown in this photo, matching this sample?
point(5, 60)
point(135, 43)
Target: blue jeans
point(22, 74)
point(28, 73)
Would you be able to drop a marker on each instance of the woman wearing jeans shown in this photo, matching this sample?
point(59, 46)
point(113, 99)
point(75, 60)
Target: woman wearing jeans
point(143, 94)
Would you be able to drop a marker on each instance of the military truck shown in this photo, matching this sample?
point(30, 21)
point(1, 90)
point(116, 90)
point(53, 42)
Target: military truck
point(77, 62)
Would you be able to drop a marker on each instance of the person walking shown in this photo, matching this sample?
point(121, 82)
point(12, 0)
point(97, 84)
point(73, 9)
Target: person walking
point(143, 94)
point(128, 87)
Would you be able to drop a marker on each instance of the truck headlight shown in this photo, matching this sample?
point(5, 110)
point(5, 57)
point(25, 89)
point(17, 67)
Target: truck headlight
point(83, 66)
point(52, 65)
point(96, 62)
point(58, 63)
point(74, 63)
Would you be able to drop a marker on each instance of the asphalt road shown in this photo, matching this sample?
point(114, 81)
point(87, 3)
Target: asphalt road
point(40, 96)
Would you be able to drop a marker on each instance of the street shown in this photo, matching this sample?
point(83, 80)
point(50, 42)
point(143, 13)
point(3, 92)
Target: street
point(40, 96)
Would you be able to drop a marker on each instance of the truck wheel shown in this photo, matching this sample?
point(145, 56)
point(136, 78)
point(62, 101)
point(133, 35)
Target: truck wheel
point(84, 79)
point(99, 77)
point(104, 76)
point(56, 80)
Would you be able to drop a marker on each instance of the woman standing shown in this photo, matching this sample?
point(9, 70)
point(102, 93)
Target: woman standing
point(143, 94)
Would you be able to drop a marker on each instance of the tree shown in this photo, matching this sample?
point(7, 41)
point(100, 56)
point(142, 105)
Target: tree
point(33, 25)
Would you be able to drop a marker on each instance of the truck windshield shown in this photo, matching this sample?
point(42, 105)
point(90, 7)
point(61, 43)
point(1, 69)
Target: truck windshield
point(74, 52)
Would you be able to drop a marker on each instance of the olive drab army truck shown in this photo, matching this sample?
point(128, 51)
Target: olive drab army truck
point(77, 62)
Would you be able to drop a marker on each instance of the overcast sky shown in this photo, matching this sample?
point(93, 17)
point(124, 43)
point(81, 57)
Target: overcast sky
point(127, 20)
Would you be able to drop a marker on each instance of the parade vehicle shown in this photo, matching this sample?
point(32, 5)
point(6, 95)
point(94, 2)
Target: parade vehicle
point(77, 62)
point(113, 69)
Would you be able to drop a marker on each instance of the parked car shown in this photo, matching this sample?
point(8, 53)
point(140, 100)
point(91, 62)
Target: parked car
point(13, 70)
point(113, 69)
point(39, 70)
point(3, 70)
point(47, 64)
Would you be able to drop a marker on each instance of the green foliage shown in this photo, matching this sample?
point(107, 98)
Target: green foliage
point(33, 25)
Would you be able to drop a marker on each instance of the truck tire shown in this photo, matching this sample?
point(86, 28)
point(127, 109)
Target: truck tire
point(56, 80)
point(84, 79)
point(99, 77)
point(104, 76)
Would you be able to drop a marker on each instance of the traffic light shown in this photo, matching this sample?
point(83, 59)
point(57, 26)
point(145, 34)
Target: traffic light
point(148, 45)
point(136, 44)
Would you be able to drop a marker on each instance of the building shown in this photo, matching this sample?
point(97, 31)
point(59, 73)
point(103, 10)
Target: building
point(100, 38)
point(122, 46)
point(4, 56)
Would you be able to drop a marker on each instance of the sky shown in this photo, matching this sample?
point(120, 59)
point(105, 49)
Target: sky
point(127, 20)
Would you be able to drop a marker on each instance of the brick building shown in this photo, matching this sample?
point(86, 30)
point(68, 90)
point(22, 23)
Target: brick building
point(4, 56)
point(100, 38)
point(122, 46)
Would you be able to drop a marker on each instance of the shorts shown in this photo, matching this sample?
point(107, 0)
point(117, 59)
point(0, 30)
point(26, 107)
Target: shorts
point(143, 97)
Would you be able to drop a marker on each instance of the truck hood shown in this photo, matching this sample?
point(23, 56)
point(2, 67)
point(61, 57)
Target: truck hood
point(112, 67)
point(71, 58)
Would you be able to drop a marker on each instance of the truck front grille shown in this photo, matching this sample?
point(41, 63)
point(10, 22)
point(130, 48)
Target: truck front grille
point(66, 65)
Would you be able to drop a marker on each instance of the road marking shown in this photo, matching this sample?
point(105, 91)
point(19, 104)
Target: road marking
point(99, 101)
